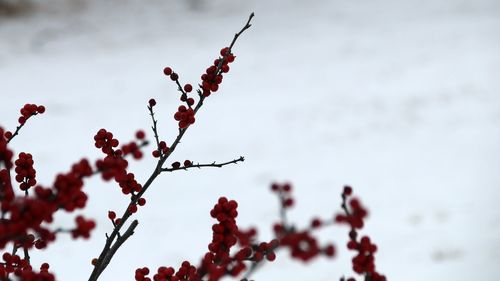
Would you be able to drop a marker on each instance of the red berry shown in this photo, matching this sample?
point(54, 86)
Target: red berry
point(224, 51)
point(140, 134)
point(40, 109)
point(167, 71)
point(214, 87)
point(152, 102)
point(347, 190)
point(111, 215)
point(316, 223)
point(330, 251)
point(132, 208)
point(271, 256)
point(141, 201)
point(174, 76)
point(163, 144)
point(156, 153)
point(188, 88)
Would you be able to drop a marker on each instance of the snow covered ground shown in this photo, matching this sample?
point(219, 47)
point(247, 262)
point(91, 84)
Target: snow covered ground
point(400, 99)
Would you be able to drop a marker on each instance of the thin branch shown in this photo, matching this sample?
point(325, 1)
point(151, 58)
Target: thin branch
point(214, 164)
point(26, 255)
point(184, 94)
point(258, 264)
point(129, 232)
point(283, 210)
point(154, 127)
point(18, 128)
point(109, 248)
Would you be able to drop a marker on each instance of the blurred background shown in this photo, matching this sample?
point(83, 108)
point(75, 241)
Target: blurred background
point(399, 99)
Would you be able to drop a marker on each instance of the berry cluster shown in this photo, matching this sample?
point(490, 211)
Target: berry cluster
point(303, 244)
point(29, 110)
point(14, 264)
point(105, 141)
point(26, 111)
point(186, 272)
point(224, 232)
point(218, 261)
point(364, 261)
point(83, 227)
point(185, 116)
point(114, 166)
point(357, 212)
point(284, 192)
point(43, 275)
point(128, 183)
point(69, 187)
point(26, 218)
point(213, 74)
point(163, 149)
point(25, 173)
point(210, 82)
point(133, 148)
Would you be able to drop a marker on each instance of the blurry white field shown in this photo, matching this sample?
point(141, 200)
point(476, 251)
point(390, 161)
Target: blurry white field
point(398, 98)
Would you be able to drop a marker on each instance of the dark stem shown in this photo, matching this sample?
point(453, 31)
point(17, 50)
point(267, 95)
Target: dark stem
point(18, 128)
point(26, 255)
point(111, 246)
point(154, 128)
point(284, 220)
point(214, 164)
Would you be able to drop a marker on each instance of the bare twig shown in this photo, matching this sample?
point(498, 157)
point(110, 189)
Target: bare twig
point(154, 127)
point(214, 164)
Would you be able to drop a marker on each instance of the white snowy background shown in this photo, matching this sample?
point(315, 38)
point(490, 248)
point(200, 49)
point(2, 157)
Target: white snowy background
point(399, 99)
